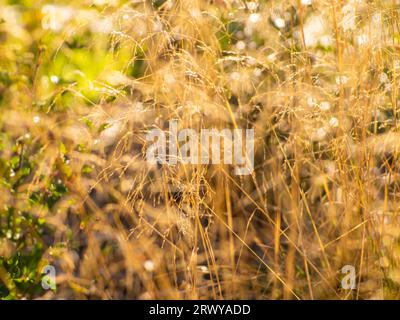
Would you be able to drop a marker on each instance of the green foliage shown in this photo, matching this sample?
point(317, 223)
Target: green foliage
point(22, 233)
point(25, 232)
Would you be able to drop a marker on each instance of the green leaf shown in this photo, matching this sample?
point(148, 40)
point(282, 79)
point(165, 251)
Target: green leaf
point(62, 148)
point(87, 169)
point(104, 126)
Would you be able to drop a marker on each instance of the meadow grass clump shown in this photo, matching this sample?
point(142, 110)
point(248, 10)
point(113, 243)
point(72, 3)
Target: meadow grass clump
point(82, 83)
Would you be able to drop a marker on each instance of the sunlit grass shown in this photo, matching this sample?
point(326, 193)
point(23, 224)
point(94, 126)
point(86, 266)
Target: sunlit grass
point(81, 83)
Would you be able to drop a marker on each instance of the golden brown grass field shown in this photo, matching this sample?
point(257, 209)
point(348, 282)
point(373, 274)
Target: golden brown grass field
point(83, 82)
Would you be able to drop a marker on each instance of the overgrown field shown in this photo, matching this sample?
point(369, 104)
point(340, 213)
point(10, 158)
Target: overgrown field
point(83, 82)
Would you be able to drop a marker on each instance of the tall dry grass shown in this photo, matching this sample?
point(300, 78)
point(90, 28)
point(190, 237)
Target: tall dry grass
point(317, 80)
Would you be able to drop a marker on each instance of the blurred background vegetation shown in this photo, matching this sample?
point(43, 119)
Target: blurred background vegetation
point(81, 82)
